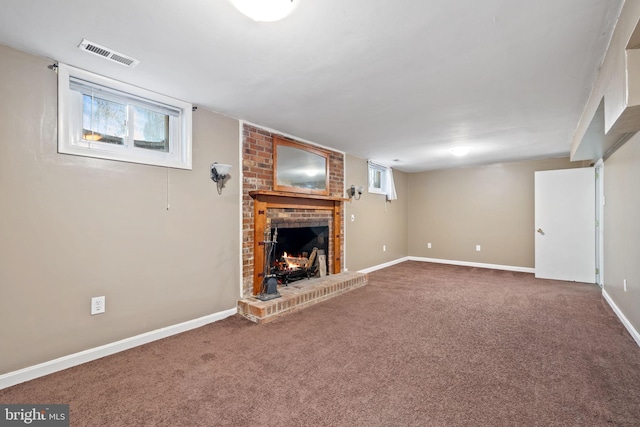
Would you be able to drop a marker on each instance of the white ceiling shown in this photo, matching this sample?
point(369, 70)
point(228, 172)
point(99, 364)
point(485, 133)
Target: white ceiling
point(382, 80)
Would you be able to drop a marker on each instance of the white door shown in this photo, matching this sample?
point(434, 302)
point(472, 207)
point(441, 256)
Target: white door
point(565, 225)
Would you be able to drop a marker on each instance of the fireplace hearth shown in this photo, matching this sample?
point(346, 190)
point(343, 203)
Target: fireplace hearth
point(299, 295)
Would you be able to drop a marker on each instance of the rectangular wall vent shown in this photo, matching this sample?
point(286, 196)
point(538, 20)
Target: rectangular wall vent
point(107, 53)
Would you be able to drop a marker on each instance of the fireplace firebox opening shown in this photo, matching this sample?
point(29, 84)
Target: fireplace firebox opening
point(300, 252)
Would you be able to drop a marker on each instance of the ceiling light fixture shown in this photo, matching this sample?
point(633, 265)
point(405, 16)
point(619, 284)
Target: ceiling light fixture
point(460, 151)
point(266, 10)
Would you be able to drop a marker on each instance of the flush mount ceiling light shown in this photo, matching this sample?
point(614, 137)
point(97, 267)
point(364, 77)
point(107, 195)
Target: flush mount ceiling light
point(266, 10)
point(460, 151)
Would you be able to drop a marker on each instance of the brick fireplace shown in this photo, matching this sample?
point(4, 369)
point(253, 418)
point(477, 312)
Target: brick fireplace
point(263, 208)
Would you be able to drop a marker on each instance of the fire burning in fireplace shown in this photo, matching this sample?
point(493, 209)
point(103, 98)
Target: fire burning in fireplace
point(293, 262)
point(290, 268)
point(300, 253)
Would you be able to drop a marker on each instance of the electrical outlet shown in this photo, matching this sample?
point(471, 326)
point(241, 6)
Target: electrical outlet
point(384, 248)
point(478, 248)
point(428, 245)
point(97, 305)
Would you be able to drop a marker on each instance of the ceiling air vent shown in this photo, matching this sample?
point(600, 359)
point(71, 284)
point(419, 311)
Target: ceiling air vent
point(107, 53)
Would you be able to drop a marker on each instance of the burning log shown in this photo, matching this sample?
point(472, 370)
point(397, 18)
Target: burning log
point(296, 268)
point(294, 262)
point(312, 258)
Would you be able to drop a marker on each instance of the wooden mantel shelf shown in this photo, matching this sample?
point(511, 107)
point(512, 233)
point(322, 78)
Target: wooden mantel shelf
point(269, 193)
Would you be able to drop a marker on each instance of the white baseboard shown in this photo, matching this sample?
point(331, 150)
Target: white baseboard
point(385, 265)
point(634, 333)
point(16, 377)
point(474, 264)
point(451, 262)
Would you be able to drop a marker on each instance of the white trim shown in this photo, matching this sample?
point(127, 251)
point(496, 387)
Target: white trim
point(600, 218)
point(32, 372)
point(344, 215)
point(384, 265)
point(474, 264)
point(240, 198)
point(450, 262)
point(634, 333)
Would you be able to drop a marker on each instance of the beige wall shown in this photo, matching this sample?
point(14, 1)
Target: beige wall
point(377, 222)
point(491, 206)
point(72, 228)
point(622, 229)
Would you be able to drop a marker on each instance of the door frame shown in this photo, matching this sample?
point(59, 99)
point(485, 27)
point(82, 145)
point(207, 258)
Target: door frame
point(599, 235)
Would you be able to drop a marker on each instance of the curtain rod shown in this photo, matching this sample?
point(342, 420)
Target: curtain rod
point(371, 162)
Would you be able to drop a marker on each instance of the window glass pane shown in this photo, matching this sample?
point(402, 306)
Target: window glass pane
point(151, 129)
point(377, 179)
point(103, 120)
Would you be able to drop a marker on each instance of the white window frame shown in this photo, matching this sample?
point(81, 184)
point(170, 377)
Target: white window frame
point(373, 168)
point(70, 140)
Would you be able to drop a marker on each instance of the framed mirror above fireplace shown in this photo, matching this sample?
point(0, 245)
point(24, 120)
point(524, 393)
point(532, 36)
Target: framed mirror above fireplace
point(300, 168)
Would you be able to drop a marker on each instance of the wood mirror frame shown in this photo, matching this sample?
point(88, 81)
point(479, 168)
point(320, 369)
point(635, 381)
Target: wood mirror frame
point(299, 168)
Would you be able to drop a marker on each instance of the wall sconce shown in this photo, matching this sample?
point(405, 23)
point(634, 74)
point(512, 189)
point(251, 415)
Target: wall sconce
point(352, 191)
point(219, 173)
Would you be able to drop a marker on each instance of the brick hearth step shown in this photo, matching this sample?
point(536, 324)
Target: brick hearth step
point(299, 295)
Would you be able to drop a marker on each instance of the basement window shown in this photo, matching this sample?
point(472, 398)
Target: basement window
point(377, 178)
point(107, 119)
point(381, 180)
